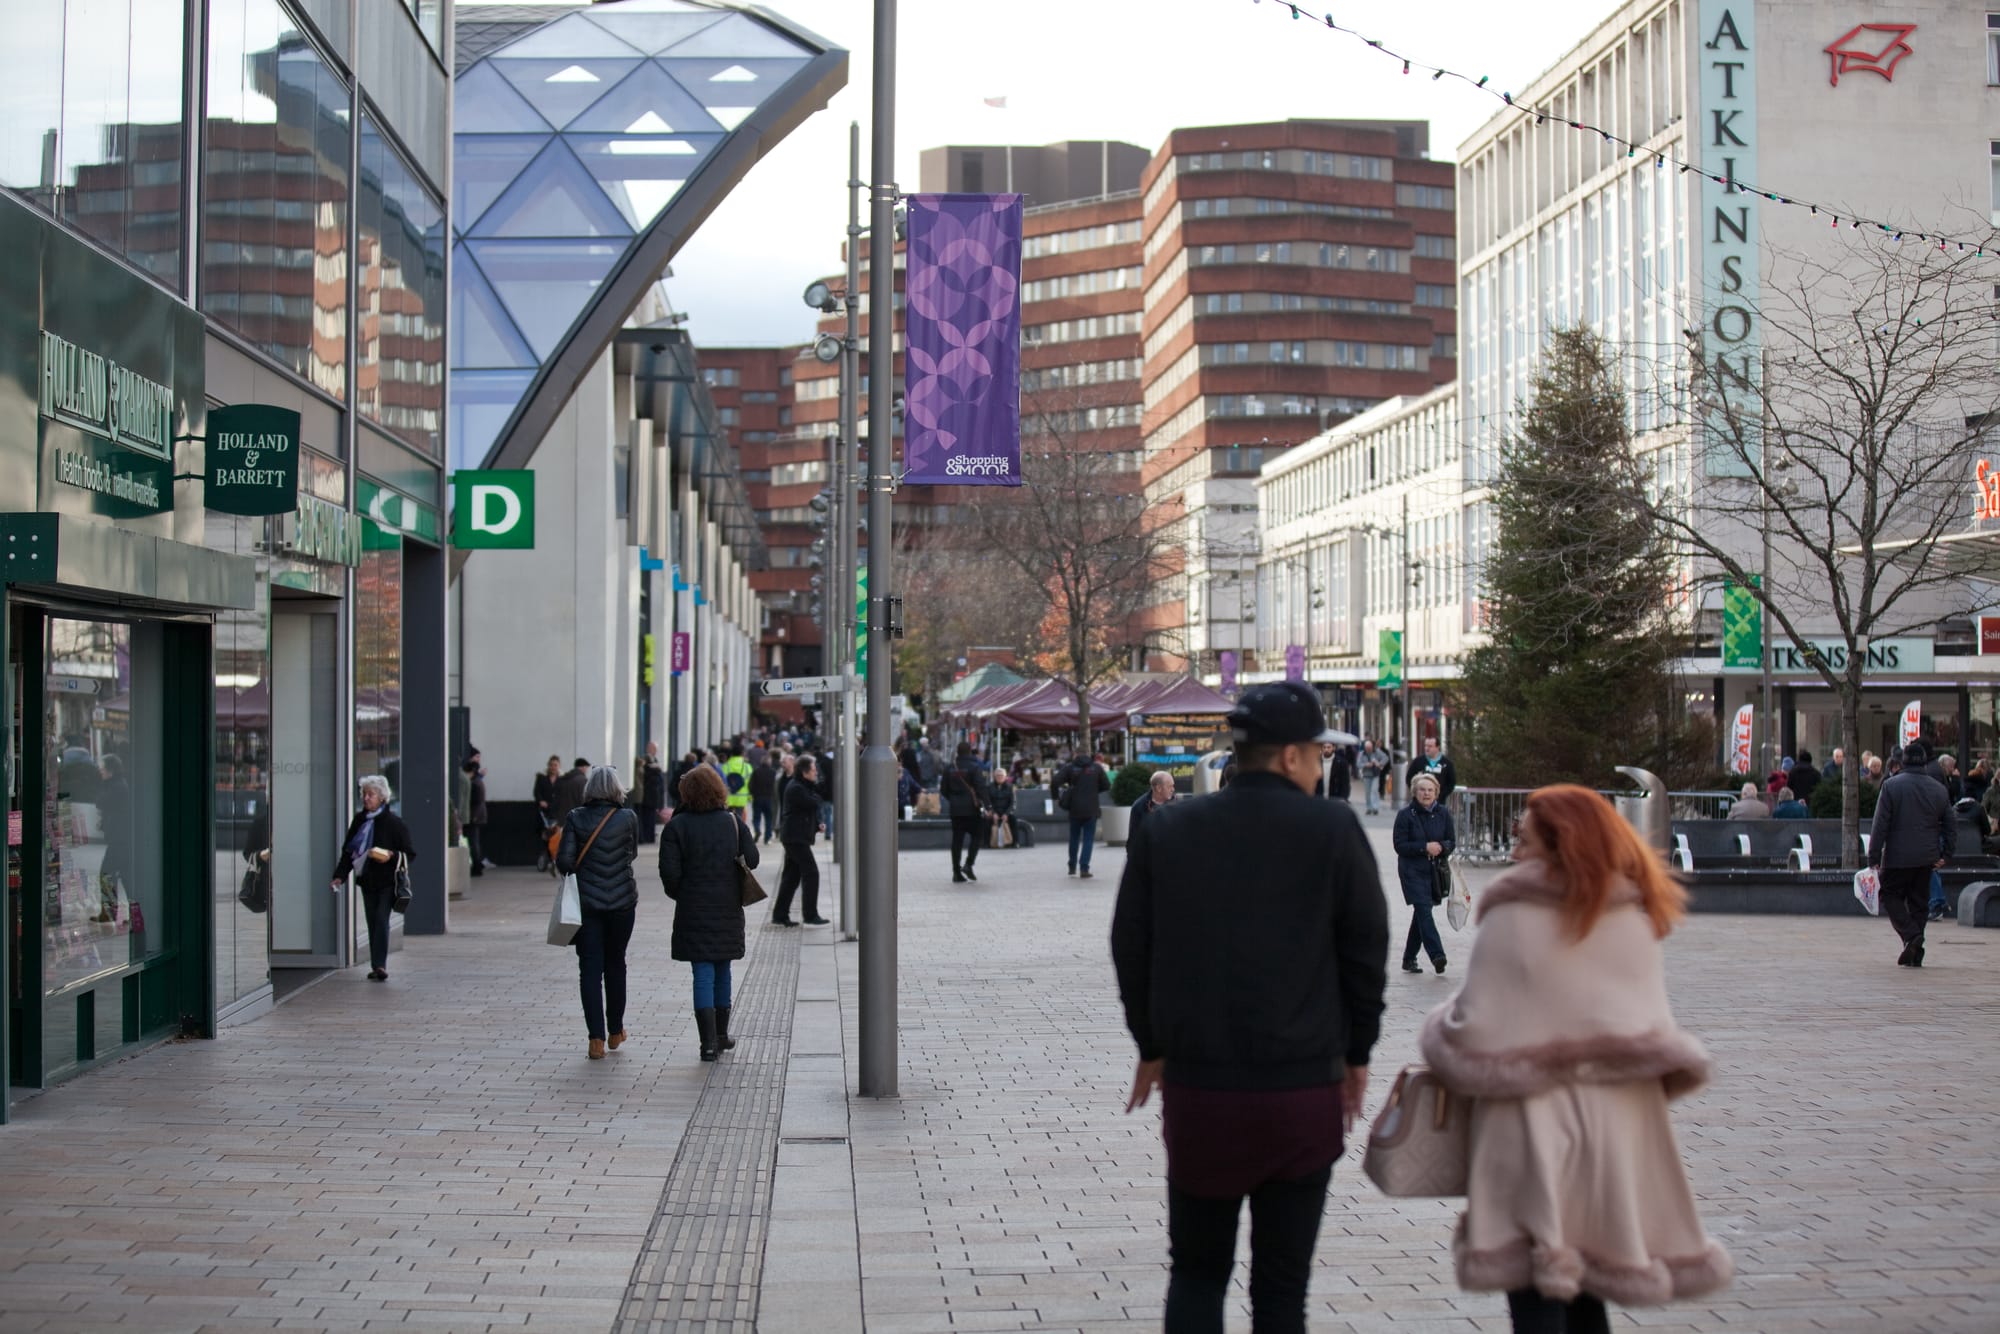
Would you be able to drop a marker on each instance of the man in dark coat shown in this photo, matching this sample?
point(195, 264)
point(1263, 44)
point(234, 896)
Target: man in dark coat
point(652, 792)
point(1914, 831)
point(1255, 1011)
point(763, 798)
point(966, 799)
point(1435, 763)
point(1080, 790)
point(474, 814)
point(1159, 792)
point(796, 830)
point(568, 794)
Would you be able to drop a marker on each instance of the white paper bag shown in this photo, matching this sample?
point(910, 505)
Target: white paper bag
point(567, 913)
point(1868, 888)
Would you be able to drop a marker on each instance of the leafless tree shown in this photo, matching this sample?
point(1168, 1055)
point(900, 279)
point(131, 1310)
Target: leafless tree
point(1846, 452)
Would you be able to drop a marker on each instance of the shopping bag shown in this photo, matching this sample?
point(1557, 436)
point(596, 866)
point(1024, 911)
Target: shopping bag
point(1868, 889)
point(567, 914)
point(1458, 908)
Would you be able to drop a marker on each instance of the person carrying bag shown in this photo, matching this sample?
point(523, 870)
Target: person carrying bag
point(600, 866)
point(1424, 839)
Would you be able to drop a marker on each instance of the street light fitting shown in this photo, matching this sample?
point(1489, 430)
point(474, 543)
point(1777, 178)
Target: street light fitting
point(827, 348)
point(819, 294)
point(819, 503)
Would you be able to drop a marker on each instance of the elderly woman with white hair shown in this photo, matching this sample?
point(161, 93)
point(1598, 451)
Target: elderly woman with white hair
point(1424, 838)
point(375, 838)
point(600, 841)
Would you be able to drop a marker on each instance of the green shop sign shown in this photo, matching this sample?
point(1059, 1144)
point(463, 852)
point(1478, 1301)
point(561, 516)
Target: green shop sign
point(1742, 629)
point(324, 531)
point(122, 483)
point(397, 515)
point(493, 510)
point(253, 460)
point(1389, 660)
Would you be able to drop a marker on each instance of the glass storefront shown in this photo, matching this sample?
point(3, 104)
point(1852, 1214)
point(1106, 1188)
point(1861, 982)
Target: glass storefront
point(242, 773)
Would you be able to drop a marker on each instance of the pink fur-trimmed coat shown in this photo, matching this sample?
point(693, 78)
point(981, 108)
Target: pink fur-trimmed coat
point(1571, 1053)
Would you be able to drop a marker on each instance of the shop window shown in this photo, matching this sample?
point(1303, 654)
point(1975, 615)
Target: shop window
point(277, 131)
point(94, 126)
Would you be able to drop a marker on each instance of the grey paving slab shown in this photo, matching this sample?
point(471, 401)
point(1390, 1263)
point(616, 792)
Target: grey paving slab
point(1844, 1152)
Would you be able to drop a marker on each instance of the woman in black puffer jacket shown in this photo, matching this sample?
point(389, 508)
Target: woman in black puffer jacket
point(698, 853)
point(600, 841)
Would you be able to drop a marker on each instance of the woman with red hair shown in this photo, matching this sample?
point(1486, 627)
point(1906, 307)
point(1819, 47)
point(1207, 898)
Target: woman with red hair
point(1563, 1038)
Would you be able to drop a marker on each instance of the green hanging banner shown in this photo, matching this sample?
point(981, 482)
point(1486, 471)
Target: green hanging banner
point(1389, 661)
point(861, 620)
point(1742, 629)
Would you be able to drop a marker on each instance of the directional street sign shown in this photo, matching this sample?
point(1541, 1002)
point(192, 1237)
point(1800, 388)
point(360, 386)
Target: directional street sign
point(803, 685)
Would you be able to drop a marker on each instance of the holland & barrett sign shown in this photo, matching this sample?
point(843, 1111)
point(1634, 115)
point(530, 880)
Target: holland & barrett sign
point(493, 510)
point(253, 460)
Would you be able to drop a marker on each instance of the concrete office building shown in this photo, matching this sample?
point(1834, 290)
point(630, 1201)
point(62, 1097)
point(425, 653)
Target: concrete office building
point(1562, 227)
point(209, 205)
point(590, 141)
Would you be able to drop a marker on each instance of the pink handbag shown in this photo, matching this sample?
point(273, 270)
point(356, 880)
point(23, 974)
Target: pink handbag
point(1421, 1143)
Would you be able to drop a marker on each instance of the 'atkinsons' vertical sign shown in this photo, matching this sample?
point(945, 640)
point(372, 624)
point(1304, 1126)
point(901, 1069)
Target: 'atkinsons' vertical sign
point(1731, 288)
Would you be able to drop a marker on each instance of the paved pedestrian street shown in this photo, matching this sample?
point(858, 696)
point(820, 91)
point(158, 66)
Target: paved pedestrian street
point(437, 1151)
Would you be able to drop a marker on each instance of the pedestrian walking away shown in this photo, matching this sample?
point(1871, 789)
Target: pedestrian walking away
point(1080, 789)
point(1914, 831)
point(1563, 1038)
point(796, 830)
point(652, 784)
point(966, 798)
point(600, 841)
point(1374, 771)
point(763, 798)
point(736, 781)
point(1424, 839)
point(376, 837)
point(699, 850)
point(1255, 1011)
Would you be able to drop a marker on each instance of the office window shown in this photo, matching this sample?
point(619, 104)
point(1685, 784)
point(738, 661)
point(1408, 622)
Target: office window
point(1993, 50)
point(277, 131)
point(94, 126)
point(1995, 149)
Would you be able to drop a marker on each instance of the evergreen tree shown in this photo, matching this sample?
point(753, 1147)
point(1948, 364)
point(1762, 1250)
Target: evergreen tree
point(1577, 677)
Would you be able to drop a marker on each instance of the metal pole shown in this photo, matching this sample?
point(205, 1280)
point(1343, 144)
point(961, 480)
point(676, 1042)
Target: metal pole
point(1409, 659)
point(1765, 755)
point(878, 761)
point(847, 778)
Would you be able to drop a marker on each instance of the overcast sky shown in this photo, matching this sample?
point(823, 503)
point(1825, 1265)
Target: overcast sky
point(1130, 70)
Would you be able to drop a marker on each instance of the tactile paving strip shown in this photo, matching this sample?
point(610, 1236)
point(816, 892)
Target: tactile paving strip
point(704, 1253)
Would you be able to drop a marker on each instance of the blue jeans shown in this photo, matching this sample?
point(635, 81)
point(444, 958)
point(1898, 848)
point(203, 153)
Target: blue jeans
point(711, 984)
point(762, 825)
point(1082, 833)
point(826, 815)
point(1938, 901)
point(1424, 928)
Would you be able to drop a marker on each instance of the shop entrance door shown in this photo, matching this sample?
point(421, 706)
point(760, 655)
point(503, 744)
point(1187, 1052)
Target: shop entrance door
point(305, 786)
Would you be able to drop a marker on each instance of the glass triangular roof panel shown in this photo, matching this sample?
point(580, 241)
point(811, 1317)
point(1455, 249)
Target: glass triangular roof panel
point(737, 37)
point(484, 165)
point(554, 197)
point(483, 103)
point(483, 335)
point(481, 402)
point(732, 82)
point(641, 174)
point(567, 39)
point(645, 98)
point(545, 284)
point(559, 89)
point(731, 117)
point(652, 32)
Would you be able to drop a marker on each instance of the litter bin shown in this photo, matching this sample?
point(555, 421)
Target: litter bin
point(1648, 810)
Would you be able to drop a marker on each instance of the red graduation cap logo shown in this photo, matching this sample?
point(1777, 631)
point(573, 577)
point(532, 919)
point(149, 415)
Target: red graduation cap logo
point(1874, 47)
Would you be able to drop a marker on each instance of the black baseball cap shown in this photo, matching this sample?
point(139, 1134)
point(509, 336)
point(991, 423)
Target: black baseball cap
point(1284, 713)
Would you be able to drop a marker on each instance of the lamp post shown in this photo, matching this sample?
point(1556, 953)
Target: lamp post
point(878, 760)
point(1411, 574)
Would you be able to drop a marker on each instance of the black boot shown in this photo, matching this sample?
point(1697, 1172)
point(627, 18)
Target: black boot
point(704, 1022)
point(957, 874)
point(722, 1039)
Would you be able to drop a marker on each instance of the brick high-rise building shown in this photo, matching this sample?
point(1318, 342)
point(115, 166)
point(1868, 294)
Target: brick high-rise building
point(1296, 274)
point(1191, 316)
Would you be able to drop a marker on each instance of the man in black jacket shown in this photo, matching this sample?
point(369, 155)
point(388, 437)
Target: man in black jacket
point(796, 829)
point(1251, 941)
point(1435, 763)
point(1914, 831)
point(963, 787)
point(1080, 790)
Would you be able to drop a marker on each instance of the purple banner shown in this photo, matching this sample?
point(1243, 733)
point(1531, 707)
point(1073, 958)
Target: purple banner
point(683, 643)
point(1228, 666)
point(1295, 662)
point(962, 332)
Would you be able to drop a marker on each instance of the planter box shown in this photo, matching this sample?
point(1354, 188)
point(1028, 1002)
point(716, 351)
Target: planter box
point(1114, 826)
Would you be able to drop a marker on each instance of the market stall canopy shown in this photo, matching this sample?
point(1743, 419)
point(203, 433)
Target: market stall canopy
point(1051, 706)
point(991, 674)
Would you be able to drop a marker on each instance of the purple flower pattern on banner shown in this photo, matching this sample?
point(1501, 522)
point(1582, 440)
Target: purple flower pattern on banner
point(962, 395)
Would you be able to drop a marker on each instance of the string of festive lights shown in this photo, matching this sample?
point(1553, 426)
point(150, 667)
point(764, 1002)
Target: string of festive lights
point(1633, 149)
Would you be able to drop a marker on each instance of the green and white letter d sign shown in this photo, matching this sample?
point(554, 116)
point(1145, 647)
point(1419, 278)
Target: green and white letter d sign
point(493, 510)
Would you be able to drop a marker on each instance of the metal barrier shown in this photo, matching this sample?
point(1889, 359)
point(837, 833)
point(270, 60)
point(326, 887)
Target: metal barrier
point(1486, 817)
